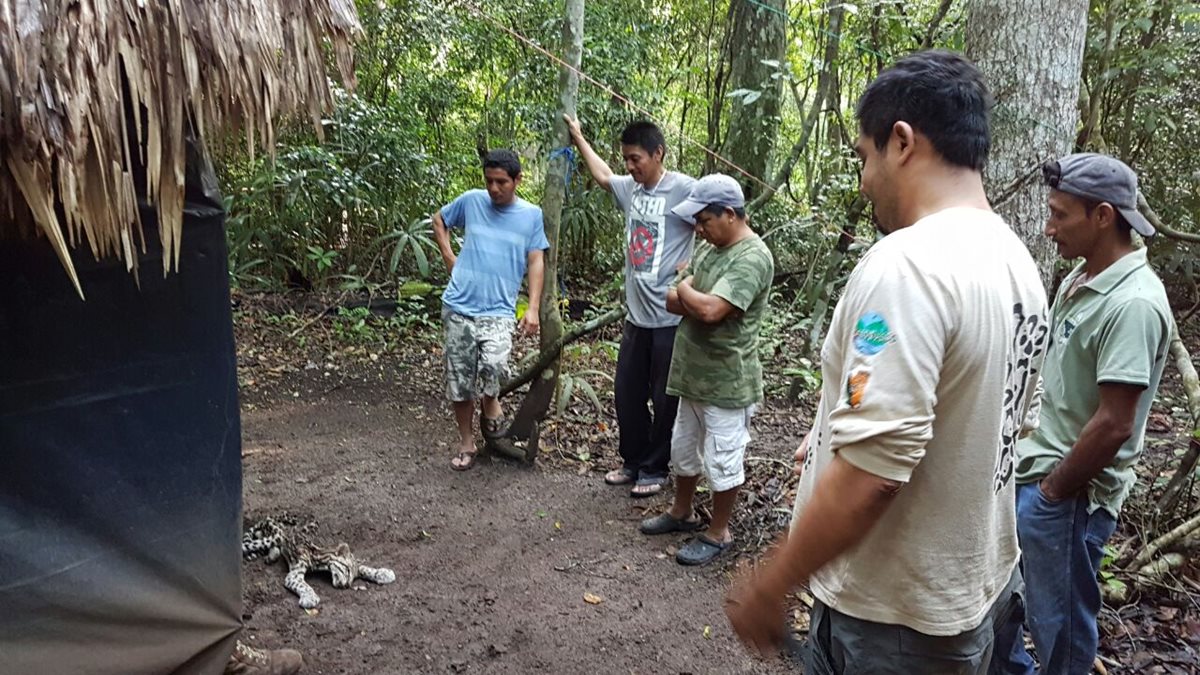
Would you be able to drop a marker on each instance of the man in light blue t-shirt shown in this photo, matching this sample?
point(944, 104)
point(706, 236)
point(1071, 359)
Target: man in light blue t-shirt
point(504, 239)
point(658, 242)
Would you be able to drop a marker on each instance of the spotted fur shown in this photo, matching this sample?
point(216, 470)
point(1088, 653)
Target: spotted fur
point(288, 536)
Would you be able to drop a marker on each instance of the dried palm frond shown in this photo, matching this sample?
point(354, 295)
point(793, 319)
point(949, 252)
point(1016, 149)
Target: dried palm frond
point(70, 70)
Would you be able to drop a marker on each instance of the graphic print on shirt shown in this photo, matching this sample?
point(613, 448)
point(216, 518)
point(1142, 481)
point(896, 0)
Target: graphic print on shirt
point(644, 233)
point(814, 440)
point(871, 334)
point(1020, 379)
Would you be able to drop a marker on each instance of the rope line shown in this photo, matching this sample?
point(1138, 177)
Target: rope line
point(609, 90)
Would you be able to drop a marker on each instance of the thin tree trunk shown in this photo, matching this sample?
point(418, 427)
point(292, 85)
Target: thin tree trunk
point(536, 403)
point(835, 11)
point(1031, 53)
point(758, 34)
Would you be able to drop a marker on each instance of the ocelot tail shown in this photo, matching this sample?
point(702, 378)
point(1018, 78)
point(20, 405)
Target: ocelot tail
point(287, 536)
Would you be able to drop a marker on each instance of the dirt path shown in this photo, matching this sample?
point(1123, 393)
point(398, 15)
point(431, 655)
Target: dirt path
point(492, 564)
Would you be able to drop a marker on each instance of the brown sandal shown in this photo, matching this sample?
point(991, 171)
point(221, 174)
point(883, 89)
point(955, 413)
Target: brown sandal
point(492, 428)
point(466, 460)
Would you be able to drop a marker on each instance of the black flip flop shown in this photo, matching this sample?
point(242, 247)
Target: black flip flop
point(493, 428)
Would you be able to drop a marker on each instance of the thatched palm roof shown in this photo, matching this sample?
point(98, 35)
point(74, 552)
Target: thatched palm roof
point(67, 66)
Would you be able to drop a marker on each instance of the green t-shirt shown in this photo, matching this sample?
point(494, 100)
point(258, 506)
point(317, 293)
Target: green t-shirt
point(718, 363)
point(1115, 329)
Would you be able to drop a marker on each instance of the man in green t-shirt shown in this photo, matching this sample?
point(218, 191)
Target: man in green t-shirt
point(1110, 328)
point(715, 370)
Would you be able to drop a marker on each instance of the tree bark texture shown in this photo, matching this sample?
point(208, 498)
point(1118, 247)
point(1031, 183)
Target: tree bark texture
point(1031, 53)
point(825, 79)
point(758, 33)
point(541, 393)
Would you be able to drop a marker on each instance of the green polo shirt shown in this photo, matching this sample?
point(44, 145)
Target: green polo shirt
point(1115, 329)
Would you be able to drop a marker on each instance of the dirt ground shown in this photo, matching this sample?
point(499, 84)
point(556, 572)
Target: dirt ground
point(492, 565)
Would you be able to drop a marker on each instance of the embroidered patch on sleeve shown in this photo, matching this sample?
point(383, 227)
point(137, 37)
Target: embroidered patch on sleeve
point(856, 388)
point(871, 334)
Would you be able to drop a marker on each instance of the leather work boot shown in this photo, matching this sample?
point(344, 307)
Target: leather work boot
point(246, 660)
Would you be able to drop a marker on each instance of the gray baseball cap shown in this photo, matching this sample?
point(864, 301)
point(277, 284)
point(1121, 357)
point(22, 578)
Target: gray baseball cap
point(1101, 178)
point(713, 189)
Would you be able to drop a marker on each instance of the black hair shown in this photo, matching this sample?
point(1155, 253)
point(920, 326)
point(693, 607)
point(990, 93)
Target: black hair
point(940, 94)
point(645, 134)
point(719, 209)
point(1089, 205)
point(503, 159)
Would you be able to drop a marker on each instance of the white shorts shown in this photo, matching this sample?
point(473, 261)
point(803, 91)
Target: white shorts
point(711, 441)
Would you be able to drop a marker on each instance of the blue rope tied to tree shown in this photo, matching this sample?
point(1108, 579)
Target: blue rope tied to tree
point(568, 154)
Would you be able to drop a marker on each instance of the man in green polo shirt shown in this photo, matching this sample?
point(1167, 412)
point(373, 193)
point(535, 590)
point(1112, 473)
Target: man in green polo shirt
point(715, 370)
point(1110, 330)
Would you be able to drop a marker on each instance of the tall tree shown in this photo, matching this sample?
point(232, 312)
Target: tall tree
point(522, 435)
point(757, 47)
point(1031, 53)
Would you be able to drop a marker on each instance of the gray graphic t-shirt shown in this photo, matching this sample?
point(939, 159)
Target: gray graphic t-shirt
point(656, 241)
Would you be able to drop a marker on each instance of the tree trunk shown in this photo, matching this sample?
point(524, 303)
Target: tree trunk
point(1031, 53)
point(758, 33)
point(521, 437)
point(825, 78)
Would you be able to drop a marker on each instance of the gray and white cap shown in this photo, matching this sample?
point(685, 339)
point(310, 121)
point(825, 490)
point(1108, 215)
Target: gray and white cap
point(713, 189)
point(1102, 178)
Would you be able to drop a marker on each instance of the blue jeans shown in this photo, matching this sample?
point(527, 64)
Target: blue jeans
point(1061, 548)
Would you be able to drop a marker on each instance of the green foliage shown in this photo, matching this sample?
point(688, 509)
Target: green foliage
point(439, 84)
point(354, 326)
point(319, 209)
point(572, 385)
point(1107, 577)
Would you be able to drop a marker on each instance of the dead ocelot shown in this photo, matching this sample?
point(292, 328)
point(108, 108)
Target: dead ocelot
point(288, 536)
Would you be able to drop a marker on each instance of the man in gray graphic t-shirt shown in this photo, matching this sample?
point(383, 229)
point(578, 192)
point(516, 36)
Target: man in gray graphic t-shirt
point(657, 242)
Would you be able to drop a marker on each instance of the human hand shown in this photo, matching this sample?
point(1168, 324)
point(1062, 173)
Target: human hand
point(756, 613)
point(530, 322)
point(572, 126)
point(801, 455)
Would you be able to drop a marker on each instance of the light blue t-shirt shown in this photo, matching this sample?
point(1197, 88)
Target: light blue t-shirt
point(487, 275)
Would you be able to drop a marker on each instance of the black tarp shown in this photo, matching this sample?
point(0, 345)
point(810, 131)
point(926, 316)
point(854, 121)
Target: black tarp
point(120, 456)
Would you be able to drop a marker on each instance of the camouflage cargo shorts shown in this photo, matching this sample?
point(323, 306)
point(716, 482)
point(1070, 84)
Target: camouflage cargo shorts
point(477, 349)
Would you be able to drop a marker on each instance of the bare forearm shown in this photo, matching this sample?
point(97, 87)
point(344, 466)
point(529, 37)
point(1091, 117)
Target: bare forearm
point(537, 272)
point(673, 304)
point(595, 165)
point(846, 504)
point(1095, 449)
point(700, 306)
point(442, 236)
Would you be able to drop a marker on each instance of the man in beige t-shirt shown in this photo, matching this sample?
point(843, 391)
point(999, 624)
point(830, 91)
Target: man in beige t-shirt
point(904, 525)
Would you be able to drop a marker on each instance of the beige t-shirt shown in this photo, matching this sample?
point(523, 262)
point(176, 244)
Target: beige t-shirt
point(929, 375)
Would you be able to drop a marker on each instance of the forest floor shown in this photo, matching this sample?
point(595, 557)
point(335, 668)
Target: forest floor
point(515, 569)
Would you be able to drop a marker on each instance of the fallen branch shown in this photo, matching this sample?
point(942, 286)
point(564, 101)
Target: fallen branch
point(320, 315)
point(546, 357)
point(1153, 548)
